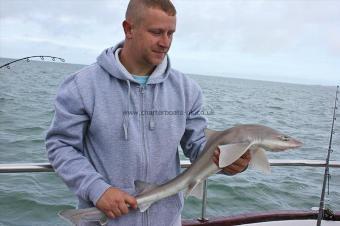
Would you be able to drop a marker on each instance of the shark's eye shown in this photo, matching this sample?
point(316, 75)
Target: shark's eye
point(285, 138)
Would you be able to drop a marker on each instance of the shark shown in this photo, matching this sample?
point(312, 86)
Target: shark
point(232, 143)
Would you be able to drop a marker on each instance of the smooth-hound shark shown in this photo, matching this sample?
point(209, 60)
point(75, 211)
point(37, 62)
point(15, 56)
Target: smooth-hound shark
point(232, 142)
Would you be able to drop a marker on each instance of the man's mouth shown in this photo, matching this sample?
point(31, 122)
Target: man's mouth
point(160, 51)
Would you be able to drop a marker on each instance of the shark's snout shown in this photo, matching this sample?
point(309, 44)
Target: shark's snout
point(296, 143)
point(282, 143)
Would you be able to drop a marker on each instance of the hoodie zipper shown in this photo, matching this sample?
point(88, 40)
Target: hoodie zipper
point(142, 91)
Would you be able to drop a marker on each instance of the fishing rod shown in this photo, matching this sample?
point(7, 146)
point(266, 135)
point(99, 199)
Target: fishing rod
point(326, 174)
point(7, 65)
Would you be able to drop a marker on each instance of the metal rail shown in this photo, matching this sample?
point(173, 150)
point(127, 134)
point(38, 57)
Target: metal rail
point(46, 167)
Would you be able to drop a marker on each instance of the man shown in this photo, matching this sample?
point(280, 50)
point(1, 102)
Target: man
point(101, 140)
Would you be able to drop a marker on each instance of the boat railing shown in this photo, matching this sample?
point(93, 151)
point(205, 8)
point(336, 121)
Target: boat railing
point(47, 167)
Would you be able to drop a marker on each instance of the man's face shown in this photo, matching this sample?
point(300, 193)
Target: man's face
point(152, 36)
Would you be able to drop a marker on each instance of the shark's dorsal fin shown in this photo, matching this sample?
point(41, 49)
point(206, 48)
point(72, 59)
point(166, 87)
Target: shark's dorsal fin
point(259, 160)
point(229, 153)
point(210, 133)
point(195, 189)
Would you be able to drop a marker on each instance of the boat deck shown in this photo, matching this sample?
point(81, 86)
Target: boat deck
point(272, 218)
point(295, 223)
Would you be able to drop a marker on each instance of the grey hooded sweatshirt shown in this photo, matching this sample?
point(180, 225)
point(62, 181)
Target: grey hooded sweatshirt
point(108, 130)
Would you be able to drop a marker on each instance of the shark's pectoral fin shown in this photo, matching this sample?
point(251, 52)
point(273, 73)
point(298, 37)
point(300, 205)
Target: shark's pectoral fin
point(144, 206)
point(259, 160)
point(229, 153)
point(195, 189)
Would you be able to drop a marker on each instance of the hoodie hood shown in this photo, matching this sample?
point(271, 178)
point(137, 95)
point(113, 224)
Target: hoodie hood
point(108, 62)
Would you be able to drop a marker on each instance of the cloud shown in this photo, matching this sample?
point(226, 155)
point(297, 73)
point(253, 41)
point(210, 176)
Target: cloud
point(260, 27)
point(262, 37)
point(68, 21)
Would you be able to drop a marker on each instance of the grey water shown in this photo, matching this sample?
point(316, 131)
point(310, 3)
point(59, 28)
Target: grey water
point(27, 91)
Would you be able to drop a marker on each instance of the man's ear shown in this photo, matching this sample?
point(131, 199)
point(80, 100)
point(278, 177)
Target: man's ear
point(127, 26)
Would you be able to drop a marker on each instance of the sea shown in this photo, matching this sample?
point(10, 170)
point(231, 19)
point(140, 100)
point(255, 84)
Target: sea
point(27, 91)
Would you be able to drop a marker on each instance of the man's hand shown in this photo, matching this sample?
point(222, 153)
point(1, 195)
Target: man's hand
point(114, 202)
point(236, 167)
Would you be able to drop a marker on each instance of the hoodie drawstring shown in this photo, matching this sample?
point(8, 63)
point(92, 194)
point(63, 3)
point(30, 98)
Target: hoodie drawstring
point(127, 114)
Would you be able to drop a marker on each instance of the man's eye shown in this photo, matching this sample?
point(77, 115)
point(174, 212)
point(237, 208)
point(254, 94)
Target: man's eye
point(156, 32)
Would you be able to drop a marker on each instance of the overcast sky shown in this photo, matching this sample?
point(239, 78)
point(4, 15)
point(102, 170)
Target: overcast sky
point(289, 40)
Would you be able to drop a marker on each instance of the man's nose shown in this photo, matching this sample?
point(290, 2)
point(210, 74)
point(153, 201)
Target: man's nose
point(165, 41)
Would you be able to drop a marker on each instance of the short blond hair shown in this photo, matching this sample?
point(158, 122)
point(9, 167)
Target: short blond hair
point(135, 8)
